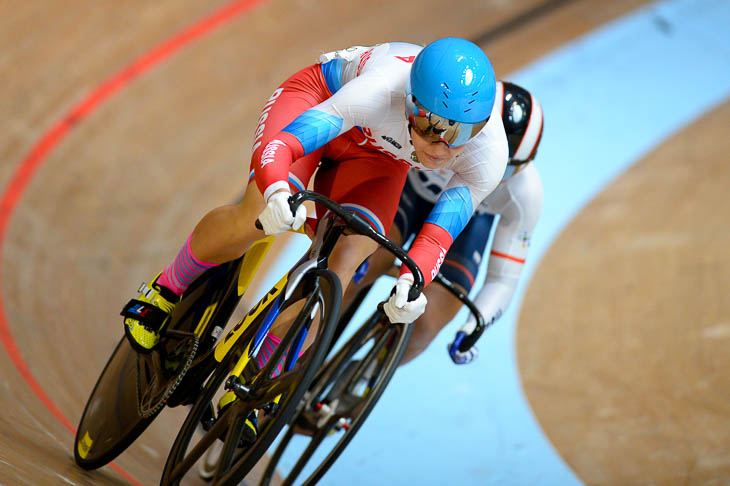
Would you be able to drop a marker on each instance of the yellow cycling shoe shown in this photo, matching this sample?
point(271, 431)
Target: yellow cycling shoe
point(145, 317)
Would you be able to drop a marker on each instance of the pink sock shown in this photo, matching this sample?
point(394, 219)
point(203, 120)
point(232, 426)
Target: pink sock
point(179, 274)
point(267, 349)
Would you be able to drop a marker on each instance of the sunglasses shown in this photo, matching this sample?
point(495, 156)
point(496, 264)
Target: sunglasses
point(437, 128)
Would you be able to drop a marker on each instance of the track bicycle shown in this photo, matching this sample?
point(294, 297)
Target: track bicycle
point(134, 388)
point(347, 388)
point(314, 294)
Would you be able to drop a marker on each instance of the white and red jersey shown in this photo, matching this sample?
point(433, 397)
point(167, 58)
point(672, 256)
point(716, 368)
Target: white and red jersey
point(368, 106)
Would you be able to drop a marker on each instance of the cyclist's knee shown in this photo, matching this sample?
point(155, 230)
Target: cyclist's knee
point(248, 209)
point(349, 253)
point(442, 307)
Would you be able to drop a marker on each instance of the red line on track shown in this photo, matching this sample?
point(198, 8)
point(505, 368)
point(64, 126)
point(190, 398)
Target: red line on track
point(50, 139)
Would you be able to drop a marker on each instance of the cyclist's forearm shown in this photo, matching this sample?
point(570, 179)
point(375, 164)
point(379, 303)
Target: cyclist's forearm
point(492, 301)
point(428, 250)
point(272, 170)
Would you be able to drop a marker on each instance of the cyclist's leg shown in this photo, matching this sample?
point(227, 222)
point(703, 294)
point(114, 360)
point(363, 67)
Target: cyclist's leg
point(378, 264)
point(460, 266)
point(226, 232)
point(369, 187)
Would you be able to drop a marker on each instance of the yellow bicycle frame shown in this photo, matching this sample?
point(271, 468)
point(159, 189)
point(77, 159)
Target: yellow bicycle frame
point(251, 262)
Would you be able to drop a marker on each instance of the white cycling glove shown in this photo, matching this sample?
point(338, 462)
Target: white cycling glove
point(398, 309)
point(277, 218)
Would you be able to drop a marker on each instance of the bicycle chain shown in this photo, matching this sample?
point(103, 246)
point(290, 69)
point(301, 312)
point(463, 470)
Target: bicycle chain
point(170, 388)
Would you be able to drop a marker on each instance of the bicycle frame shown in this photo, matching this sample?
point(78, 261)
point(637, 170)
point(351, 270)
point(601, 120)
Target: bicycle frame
point(333, 225)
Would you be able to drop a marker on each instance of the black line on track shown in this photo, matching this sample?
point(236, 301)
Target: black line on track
point(521, 20)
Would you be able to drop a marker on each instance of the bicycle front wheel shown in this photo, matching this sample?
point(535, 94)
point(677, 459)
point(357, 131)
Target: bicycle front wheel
point(343, 394)
point(273, 397)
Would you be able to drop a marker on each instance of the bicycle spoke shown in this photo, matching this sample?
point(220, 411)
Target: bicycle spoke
point(199, 449)
point(308, 452)
point(231, 444)
point(371, 356)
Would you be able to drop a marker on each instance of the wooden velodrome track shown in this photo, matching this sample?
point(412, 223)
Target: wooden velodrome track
point(640, 315)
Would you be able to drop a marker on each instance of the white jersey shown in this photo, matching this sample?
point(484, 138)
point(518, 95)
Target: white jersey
point(368, 85)
point(518, 202)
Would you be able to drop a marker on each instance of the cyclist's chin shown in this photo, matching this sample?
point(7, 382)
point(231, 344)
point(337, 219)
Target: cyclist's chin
point(432, 162)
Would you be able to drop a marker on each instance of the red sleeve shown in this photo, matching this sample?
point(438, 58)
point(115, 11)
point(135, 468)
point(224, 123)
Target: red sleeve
point(428, 250)
point(276, 158)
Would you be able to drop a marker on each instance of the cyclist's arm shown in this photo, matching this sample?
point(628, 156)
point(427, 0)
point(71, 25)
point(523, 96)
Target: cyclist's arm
point(518, 217)
point(359, 102)
point(477, 173)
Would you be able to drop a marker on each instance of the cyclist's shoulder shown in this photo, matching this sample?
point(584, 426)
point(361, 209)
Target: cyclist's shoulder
point(388, 63)
point(488, 150)
point(525, 185)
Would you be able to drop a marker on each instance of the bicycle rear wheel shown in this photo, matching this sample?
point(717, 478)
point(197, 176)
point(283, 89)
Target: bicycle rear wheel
point(278, 396)
point(133, 388)
point(343, 394)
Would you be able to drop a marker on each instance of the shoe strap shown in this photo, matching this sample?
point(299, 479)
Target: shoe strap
point(144, 312)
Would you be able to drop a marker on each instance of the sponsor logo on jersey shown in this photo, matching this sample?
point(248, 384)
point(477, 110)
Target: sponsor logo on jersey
point(406, 58)
point(392, 141)
point(363, 59)
point(270, 152)
point(435, 269)
point(262, 119)
point(372, 143)
point(525, 238)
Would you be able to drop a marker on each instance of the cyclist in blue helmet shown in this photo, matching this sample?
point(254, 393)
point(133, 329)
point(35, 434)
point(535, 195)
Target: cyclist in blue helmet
point(343, 118)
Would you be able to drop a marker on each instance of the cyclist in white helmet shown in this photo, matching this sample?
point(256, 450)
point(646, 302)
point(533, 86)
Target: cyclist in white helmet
point(518, 203)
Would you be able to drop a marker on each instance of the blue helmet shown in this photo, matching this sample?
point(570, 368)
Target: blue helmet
point(452, 83)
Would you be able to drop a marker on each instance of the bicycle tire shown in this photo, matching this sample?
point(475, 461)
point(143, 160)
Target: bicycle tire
point(97, 443)
point(234, 462)
point(120, 407)
point(334, 370)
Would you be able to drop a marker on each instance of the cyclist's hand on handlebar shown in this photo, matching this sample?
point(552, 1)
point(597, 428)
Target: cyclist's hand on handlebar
point(398, 308)
point(457, 356)
point(277, 217)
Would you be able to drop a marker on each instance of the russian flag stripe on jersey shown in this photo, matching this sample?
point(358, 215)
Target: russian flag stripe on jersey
point(367, 214)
